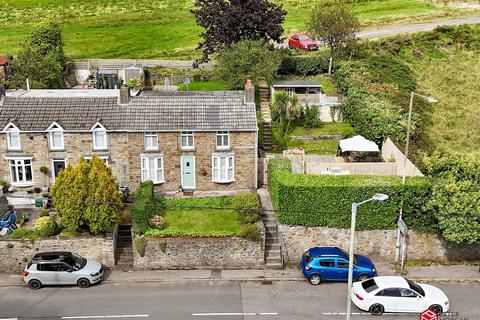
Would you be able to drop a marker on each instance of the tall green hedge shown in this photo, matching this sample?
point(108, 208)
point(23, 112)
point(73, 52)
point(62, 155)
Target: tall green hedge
point(144, 207)
point(323, 200)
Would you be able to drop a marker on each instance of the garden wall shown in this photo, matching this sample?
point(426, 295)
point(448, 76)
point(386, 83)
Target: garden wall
point(15, 253)
point(197, 253)
point(376, 244)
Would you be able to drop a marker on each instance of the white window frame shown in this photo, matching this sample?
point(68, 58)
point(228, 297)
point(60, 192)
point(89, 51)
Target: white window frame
point(217, 169)
point(55, 128)
point(145, 169)
point(99, 129)
point(104, 158)
point(53, 166)
point(24, 182)
point(187, 135)
point(223, 135)
point(9, 130)
point(151, 135)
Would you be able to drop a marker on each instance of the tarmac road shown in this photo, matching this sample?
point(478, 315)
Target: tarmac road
point(207, 300)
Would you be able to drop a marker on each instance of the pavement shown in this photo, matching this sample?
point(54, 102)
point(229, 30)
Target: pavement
point(437, 273)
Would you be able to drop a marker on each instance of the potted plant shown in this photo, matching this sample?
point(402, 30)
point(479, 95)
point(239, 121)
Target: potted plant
point(29, 190)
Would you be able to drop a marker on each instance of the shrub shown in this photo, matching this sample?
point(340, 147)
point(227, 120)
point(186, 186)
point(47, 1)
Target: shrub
point(302, 65)
point(44, 213)
point(251, 232)
point(309, 117)
point(23, 233)
point(157, 222)
point(144, 208)
point(247, 206)
point(315, 200)
point(140, 245)
point(46, 226)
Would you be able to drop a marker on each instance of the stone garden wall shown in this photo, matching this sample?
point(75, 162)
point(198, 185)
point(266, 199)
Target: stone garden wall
point(376, 244)
point(197, 253)
point(14, 254)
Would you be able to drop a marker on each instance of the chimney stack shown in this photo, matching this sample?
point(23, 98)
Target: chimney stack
point(124, 97)
point(249, 91)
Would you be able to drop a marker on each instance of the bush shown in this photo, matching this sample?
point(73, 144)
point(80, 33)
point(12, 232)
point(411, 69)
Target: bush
point(157, 222)
point(251, 232)
point(303, 65)
point(309, 117)
point(23, 233)
point(144, 208)
point(44, 213)
point(46, 226)
point(314, 200)
point(140, 245)
point(247, 206)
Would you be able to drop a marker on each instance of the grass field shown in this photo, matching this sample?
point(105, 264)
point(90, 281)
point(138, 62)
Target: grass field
point(166, 28)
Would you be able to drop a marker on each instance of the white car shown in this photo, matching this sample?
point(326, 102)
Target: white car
point(397, 294)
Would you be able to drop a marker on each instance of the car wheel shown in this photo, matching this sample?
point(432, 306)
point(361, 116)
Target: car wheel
point(315, 279)
point(363, 277)
point(83, 283)
point(377, 309)
point(436, 308)
point(34, 284)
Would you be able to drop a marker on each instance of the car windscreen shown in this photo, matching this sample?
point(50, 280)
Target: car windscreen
point(76, 262)
point(303, 38)
point(355, 258)
point(415, 287)
point(307, 257)
point(369, 285)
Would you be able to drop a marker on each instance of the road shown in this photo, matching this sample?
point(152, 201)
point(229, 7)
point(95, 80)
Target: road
point(205, 301)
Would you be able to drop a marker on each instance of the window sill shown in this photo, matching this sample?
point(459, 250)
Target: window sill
point(57, 150)
point(23, 185)
point(223, 182)
point(187, 149)
point(14, 150)
point(100, 149)
point(152, 150)
point(223, 149)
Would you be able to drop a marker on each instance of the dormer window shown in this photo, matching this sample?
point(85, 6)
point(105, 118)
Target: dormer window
point(55, 137)
point(13, 137)
point(99, 134)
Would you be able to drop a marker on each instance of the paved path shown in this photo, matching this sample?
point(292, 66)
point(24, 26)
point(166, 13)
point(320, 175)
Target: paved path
point(389, 31)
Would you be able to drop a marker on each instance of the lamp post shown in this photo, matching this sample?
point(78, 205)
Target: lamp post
point(430, 100)
point(376, 197)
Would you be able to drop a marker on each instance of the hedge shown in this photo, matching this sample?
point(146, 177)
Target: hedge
point(323, 200)
point(144, 207)
point(301, 65)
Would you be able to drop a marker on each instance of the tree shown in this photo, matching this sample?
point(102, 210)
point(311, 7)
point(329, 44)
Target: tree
point(455, 200)
point(229, 21)
point(285, 108)
point(86, 196)
point(41, 59)
point(334, 24)
point(246, 58)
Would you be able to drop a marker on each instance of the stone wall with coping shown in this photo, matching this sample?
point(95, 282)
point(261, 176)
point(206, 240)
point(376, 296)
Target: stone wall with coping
point(15, 253)
point(376, 244)
point(199, 253)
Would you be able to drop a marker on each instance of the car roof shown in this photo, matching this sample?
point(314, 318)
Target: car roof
point(51, 255)
point(391, 282)
point(326, 252)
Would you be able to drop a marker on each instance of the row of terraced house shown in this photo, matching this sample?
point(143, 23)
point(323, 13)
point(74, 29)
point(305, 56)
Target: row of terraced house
point(190, 142)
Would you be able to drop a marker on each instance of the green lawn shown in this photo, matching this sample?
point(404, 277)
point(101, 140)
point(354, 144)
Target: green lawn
point(340, 128)
point(200, 223)
point(166, 28)
point(321, 147)
point(211, 85)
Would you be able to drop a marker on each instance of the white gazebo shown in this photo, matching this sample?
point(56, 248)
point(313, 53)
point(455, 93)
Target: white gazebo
point(358, 144)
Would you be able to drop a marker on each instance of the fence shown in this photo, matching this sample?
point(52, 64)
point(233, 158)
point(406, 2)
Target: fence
point(390, 152)
point(368, 168)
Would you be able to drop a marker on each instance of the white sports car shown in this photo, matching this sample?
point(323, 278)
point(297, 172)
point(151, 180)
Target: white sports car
point(397, 294)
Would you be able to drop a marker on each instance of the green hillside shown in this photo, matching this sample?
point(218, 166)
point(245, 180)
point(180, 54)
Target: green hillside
point(166, 28)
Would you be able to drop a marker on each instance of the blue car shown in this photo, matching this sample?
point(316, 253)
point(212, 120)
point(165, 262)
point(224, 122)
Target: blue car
point(331, 264)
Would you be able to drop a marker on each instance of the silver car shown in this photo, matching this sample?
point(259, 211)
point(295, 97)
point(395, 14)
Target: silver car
point(61, 268)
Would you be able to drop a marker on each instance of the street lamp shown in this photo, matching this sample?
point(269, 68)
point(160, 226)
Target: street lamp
point(430, 100)
point(376, 197)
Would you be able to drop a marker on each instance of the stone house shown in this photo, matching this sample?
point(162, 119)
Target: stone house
point(3, 69)
point(196, 142)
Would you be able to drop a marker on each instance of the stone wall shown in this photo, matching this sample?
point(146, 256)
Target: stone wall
point(124, 152)
point(15, 253)
point(376, 244)
point(197, 253)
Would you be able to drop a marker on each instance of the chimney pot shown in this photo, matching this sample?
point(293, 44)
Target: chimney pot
point(249, 91)
point(124, 96)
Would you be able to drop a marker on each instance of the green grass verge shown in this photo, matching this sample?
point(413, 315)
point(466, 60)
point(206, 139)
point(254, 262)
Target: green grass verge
point(199, 223)
point(166, 28)
point(211, 85)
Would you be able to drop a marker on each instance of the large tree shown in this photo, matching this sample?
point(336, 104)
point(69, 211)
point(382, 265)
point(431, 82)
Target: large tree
point(334, 24)
point(229, 21)
point(86, 196)
point(41, 60)
point(246, 58)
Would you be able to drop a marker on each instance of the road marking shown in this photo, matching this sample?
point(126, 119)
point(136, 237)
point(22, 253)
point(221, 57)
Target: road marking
point(343, 313)
point(236, 314)
point(109, 316)
point(8, 318)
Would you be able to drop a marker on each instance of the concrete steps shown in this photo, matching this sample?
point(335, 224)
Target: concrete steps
point(124, 252)
point(273, 248)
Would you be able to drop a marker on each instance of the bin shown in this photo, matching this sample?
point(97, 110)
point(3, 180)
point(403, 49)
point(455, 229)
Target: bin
point(38, 202)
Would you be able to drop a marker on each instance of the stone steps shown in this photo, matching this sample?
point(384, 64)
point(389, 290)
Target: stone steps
point(124, 252)
point(273, 249)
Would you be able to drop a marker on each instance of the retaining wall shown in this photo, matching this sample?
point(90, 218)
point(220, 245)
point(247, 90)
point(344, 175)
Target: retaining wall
point(198, 253)
point(376, 244)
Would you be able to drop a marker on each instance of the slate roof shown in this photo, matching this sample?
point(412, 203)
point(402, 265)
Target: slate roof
point(299, 83)
point(166, 113)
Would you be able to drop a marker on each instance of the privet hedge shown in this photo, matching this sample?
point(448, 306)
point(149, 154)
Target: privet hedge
point(144, 208)
point(323, 200)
